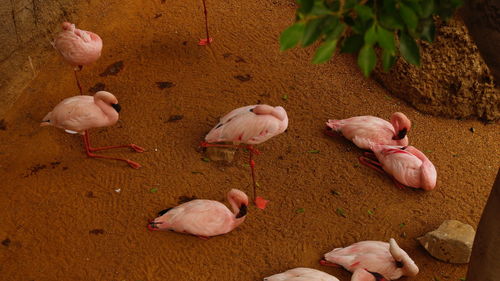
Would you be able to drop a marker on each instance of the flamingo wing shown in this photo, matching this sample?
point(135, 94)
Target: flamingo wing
point(200, 217)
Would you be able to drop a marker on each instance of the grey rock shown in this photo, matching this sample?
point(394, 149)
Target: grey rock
point(451, 242)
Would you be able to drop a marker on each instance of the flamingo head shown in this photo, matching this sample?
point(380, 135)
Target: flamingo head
point(402, 259)
point(401, 125)
point(239, 201)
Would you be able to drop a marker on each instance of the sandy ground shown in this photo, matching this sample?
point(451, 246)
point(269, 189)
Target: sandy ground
point(63, 220)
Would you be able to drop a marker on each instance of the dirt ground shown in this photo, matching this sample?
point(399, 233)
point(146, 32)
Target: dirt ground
point(62, 218)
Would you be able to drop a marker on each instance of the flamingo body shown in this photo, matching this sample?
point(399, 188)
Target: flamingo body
point(365, 130)
point(253, 124)
point(78, 47)
point(374, 260)
point(301, 274)
point(407, 165)
point(205, 218)
point(80, 113)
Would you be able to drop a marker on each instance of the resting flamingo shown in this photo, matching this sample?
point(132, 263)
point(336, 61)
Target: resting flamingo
point(407, 165)
point(365, 130)
point(373, 261)
point(78, 114)
point(301, 274)
point(204, 218)
point(78, 47)
point(253, 124)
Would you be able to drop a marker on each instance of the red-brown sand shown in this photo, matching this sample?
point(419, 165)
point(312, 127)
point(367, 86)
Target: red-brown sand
point(62, 218)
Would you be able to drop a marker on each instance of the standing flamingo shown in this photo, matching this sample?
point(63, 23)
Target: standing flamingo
point(253, 124)
point(301, 274)
point(204, 218)
point(364, 130)
point(373, 261)
point(80, 113)
point(78, 47)
point(208, 39)
point(407, 165)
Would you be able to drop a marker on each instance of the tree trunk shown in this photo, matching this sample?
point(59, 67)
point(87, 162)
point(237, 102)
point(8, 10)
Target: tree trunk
point(485, 259)
point(482, 18)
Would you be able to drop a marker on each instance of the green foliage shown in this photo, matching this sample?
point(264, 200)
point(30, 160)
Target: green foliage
point(359, 26)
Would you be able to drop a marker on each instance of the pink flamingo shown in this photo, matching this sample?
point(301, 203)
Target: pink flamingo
point(208, 40)
point(78, 47)
point(80, 113)
point(407, 165)
point(373, 261)
point(301, 274)
point(253, 124)
point(204, 218)
point(364, 130)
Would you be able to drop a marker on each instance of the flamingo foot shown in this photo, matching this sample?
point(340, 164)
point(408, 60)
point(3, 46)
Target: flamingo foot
point(260, 202)
point(133, 164)
point(136, 148)
point(327, 263)
point(205, 41)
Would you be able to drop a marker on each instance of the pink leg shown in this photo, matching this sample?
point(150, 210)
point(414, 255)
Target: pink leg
point(133, 146)
point(327, 263)
point(77, 81)
point(374, 164)
point(206, 40)
point(86, 141)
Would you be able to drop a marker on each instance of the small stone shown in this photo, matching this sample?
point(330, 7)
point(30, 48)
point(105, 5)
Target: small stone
point(451, 242)
point(224, 154)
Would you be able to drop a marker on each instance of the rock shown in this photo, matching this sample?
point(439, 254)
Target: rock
point(222, 154)
point(451, 242)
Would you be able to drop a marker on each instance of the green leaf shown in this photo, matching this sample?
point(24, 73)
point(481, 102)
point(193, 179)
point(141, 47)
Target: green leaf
point(311, 31)
point(291, 36)
point(388, 59)
point(325, 51)
point(352, 44)
point(428, 30)
point(305, 6)
point(385, 39)
point(371, 35)
point(415, 6)
point(300, 211)
point(205, 159)
point(364, 12)
point(427, 8)
point(284, 97)
point(334, 192)
point(153, 190)
point(402, 224)
point(409, 16)
point(371, 212)
point(196, 173)
point(409, 49)
point(391, 21)
point(367, 59)
point(341, 212)
point(335, 33)
point(314, 151)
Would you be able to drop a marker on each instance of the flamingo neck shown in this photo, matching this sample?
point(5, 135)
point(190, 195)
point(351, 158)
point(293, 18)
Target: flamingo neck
point(108, 110)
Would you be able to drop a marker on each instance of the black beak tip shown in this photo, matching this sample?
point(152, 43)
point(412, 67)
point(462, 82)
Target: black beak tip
point(117, 107)
point(243, 211)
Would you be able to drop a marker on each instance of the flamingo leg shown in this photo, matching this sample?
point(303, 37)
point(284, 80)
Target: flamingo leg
point(327, 263)
point(136, 148)
point(78, 81)
point(88, 150)
point(207, 40)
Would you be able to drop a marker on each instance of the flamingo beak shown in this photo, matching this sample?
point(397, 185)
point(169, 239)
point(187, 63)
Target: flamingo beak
point(329, 132)
point(117, 107)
